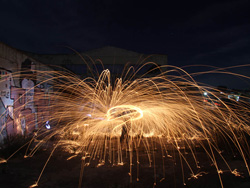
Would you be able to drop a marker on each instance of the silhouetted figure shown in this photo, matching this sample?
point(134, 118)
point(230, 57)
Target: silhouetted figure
point(124, 139)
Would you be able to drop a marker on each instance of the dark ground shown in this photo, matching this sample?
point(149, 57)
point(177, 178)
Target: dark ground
point(62, 173)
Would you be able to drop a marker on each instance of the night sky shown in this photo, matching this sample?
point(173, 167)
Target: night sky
point(214, 33)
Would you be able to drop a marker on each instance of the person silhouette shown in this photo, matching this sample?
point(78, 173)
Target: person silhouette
point(124, 139)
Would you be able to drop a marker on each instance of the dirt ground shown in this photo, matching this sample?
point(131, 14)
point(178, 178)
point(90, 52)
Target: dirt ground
point(62, 173)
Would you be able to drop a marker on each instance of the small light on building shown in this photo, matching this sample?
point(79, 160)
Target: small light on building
point(237, 98)
point(47, 125)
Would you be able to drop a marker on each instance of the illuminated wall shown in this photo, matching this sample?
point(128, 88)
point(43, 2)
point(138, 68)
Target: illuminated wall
point(18, 111)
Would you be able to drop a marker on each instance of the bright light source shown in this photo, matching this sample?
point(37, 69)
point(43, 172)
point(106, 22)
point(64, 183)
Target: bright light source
point(47, 125)
point(124, 111)
point(237, 98)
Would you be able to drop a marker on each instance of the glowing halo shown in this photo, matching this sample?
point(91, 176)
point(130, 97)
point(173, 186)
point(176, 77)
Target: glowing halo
point(124, 112)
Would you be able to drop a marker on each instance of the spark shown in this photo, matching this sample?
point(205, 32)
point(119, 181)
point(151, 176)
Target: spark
point(33, 185)
point(106, 118)
point(196, 176)
point(100, 164)
point(3, 160)
point(71, 157)
point(220, 171)
point(236, 173)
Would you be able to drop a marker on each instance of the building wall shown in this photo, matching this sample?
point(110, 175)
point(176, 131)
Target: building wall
point(16, 117)
point(19, 115)
point(110, 57)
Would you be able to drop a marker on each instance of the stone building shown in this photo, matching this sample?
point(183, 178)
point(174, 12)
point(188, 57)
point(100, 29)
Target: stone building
point(109, 57)
point(20, 112)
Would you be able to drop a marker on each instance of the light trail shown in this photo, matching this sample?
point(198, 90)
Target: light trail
point(88, 117)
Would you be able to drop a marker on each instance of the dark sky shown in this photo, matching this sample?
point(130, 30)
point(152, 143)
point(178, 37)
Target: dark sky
point(207, 32)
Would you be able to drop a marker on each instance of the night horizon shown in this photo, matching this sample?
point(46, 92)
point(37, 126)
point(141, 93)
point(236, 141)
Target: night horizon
point(213, 33)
